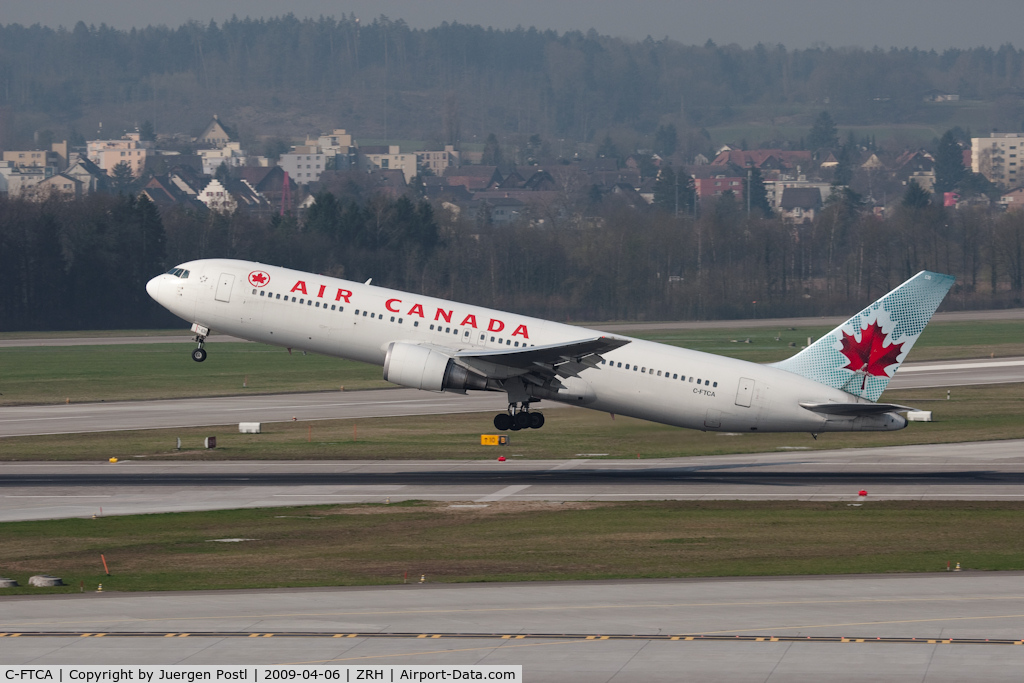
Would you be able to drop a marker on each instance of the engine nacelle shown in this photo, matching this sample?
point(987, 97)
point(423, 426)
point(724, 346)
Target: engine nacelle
point(420, 367)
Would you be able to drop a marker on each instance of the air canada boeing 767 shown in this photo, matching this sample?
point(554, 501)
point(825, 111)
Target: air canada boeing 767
point(437, 345)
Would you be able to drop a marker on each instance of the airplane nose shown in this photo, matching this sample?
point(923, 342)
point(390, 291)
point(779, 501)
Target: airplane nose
point(153, 287)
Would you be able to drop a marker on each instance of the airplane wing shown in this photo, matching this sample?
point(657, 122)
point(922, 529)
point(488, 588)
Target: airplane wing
point(855, 409)
point(562, 360)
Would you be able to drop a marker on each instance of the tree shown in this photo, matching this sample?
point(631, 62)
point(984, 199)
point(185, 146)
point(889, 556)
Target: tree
point(492, 151)
point(949, 164)
point(122, 178)
point(223, 173)
point(666, 140)
point(147, 132)
point(823, 133)
point(673, 192)
point(916, 197)
point(608, 150)
point(758, 194)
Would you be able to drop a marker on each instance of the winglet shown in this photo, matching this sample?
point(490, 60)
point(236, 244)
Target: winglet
point(861, 355)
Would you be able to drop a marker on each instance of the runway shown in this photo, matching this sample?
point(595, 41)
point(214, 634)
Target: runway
point(199, 412)
point(844, 628)
point(992, 470)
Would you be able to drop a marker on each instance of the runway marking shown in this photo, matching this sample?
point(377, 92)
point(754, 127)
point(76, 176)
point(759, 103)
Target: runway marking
point(548, 608)
point(877, 623)
point(433, 652)
point(503, 493)
point(562, 638)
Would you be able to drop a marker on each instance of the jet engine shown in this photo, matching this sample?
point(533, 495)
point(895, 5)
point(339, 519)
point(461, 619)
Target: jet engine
point(421, 367)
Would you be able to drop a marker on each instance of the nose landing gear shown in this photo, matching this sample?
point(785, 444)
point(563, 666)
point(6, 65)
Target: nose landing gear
point(199, 353)
point(518, 418)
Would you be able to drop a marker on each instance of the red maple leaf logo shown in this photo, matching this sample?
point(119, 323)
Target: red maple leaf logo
point(258, 278)
point(870, 355)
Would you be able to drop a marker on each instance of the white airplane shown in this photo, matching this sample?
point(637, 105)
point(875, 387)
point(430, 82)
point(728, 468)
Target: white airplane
point(439, 345)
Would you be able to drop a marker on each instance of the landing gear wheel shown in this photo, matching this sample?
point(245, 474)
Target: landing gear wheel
point(502, 422)
point(536, 420)
point(522, 420)
point(199, 355)
point(515, 427)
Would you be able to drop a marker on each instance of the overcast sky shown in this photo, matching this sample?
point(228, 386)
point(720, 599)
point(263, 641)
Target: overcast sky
point(932, 24)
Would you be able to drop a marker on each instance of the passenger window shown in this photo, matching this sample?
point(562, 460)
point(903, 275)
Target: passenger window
point(309, 303)
point(492, 339)
point(691, 379)
point(643, 369)
point(482, 336)
point(392, 318)
point(262, 293)
point(715, 384)
point(707, 382)
point(277, 296)
point(293, 299)
point(332, 307)
point(659, 373)
point(635, 368)
point(357, 311)
point(399, 321)
point(364, 314)
point(698, 380)
point(508, 342)
point(467, 333)
point(341, 308)
point(620, 365)
point(674, 376)
point(517, 343)
point(627, 366)
point(415, 323)
point(318, 304)
point(373, 315)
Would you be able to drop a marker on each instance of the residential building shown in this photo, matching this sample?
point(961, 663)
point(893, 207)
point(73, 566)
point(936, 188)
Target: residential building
point(438, 161)
point(109, 153)
point(387, 157)
point(1013, 200)
point(718, 185)
point(304, 163)
point(19, 180)
point(231, 195)
point(230, 153)
point(998, 157)
point(58, 185)
point(338, 145)
point(35, 157)
point(91, 176)
point(775, 188)
point(800, 204)
point(214, 135)
point(474, 178)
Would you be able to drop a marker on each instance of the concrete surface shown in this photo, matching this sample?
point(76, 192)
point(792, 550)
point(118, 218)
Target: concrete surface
point(991, 470)
point(937, 607)
point(198, 412)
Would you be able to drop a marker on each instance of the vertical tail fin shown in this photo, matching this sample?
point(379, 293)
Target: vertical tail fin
point(861, 355)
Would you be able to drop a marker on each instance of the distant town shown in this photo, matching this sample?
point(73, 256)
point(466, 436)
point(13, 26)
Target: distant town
point(213, 172)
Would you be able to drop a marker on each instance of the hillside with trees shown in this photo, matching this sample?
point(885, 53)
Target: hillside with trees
point(456, 82)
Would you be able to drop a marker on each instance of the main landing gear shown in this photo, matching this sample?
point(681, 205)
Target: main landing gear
point(515, 420)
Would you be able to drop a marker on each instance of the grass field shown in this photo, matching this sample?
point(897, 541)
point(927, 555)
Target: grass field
point(974, 414)
point(510, 541)
point(139, 371)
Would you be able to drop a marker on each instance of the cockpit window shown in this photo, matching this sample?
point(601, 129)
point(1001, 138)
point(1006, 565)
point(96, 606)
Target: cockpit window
point(184, 275)
point(178, 272)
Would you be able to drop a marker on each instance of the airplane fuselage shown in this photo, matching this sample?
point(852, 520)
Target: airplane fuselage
point(642, 379)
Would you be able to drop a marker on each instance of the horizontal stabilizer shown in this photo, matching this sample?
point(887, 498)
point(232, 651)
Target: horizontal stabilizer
point(855, 409)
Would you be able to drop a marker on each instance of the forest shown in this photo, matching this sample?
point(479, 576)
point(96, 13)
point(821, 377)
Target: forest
point(83, 264)
point(456, 82)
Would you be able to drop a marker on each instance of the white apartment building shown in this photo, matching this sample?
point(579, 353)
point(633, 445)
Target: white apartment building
point(109, 153)
point(774, 189)
point(388, 157)
point(231, 154)
point(304, 163)
point(998, 157)
point(437, 161)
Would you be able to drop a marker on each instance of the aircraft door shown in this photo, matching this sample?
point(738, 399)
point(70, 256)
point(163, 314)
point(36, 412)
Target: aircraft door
point(224, 285)
point(744, 392)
